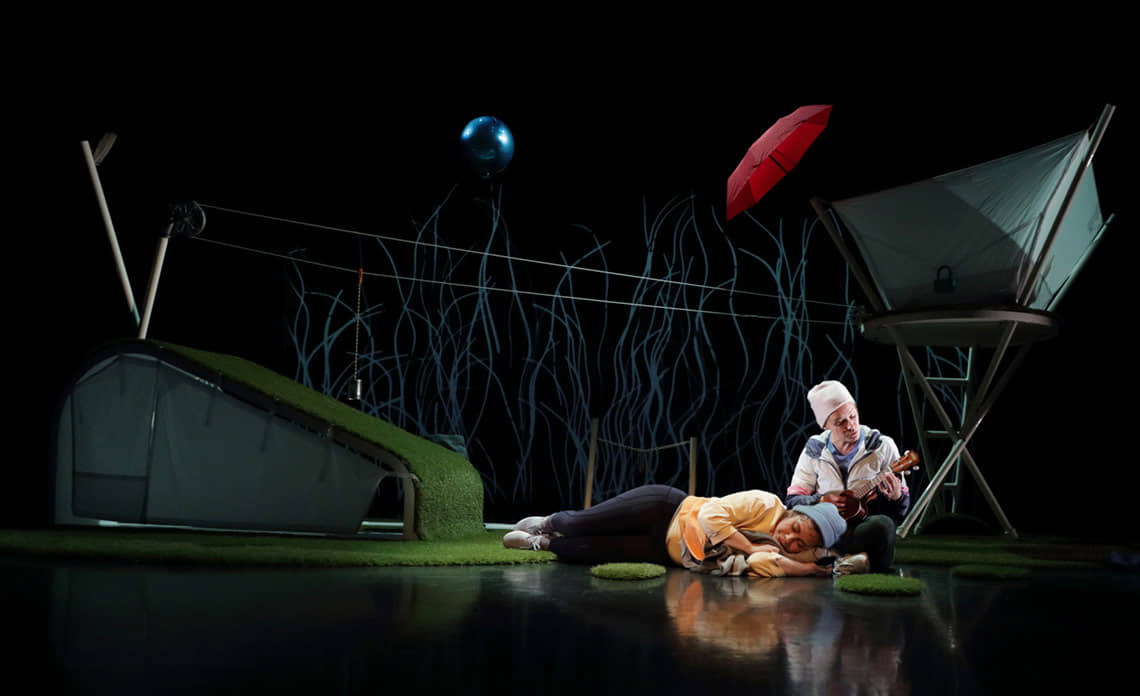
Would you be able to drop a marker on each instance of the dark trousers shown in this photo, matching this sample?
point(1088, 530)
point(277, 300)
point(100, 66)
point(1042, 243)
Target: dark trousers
point(875, 536)
point(629, 528)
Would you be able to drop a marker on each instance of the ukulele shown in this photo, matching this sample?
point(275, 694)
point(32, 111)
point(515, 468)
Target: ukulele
point(854, 499)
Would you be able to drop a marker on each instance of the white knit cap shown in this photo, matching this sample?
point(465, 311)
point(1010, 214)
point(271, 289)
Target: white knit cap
point(825, 397)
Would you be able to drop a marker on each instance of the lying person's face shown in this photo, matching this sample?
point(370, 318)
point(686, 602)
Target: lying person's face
point(796, 532)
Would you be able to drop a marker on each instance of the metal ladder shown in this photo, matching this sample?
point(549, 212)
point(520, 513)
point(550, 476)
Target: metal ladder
point(946, 503)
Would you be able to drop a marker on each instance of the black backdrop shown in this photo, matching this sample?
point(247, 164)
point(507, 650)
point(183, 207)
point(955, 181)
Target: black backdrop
point(373, 143)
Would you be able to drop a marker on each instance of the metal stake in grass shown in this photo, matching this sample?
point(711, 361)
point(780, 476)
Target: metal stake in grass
point(357, 393)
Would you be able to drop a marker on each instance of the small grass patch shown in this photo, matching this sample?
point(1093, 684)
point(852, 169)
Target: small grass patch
point(875, 584)
point(627, 571)
point(243, 550)
point(989, 572)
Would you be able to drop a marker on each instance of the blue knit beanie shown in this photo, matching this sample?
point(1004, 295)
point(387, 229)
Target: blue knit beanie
point(827, 519)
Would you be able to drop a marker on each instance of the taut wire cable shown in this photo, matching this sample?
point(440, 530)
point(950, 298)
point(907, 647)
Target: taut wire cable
point(508, 257)
point(531, 293)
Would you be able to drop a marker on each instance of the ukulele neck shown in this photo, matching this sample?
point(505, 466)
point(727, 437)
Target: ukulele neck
point(861, 489)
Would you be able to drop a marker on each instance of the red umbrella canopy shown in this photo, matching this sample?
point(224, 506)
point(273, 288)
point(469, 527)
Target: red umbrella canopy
point(773, 155)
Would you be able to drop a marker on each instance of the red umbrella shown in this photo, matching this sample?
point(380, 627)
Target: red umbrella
point(773, 155)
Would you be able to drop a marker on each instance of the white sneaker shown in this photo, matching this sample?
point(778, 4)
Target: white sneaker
point(531, 525)
point(520, 539)
point(851, 565)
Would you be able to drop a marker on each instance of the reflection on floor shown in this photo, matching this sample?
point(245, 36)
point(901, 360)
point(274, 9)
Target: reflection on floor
point(554, 628)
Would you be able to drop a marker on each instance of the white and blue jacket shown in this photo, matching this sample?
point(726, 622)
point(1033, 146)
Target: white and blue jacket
point(817, 472)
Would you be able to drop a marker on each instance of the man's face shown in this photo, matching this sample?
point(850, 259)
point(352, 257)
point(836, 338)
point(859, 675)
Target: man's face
point(843, 423)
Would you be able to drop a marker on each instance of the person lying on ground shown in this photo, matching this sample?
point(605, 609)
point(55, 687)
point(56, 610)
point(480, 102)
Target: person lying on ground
point(745, 533)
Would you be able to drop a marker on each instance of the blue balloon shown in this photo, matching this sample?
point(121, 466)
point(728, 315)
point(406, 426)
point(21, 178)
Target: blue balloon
point(488, 145)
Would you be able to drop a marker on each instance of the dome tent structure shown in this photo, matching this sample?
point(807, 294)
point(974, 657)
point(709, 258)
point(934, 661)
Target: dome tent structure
point(978, 259)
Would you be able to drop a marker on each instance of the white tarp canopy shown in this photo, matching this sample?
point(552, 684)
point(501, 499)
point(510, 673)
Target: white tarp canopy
point(980, 230)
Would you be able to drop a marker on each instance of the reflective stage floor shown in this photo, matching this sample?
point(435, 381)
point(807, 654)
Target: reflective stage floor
point(553, 628)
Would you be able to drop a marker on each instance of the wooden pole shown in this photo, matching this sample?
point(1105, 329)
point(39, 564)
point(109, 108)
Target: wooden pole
point(152, 287)
point(91, 168)
point(590, 461)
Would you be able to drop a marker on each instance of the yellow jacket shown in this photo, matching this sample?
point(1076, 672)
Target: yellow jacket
point(712, 520)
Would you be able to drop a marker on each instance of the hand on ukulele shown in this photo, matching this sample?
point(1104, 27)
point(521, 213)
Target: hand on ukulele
point(891, 487)
point(841, 501)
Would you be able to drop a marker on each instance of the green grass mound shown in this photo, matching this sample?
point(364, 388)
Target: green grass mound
point(265, 550)
point(627, 571)
point(875, 584)
point(989, 572)
point(449, 492)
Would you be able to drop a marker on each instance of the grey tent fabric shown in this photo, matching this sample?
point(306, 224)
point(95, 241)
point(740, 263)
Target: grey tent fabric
point(142, 441)
point(976, 258)
point(973, 237)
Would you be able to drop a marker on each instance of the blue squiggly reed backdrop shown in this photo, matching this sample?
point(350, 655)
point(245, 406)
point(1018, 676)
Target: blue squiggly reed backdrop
point(686, 334)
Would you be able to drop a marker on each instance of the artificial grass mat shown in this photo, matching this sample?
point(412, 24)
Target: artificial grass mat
point(876, 584)
point(627, 571)
point(989, 572)
point(1039, 553)
point(243, 550)
point(148, 545)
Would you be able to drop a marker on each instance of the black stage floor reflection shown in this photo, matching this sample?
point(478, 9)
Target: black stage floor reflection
point(553, 628)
